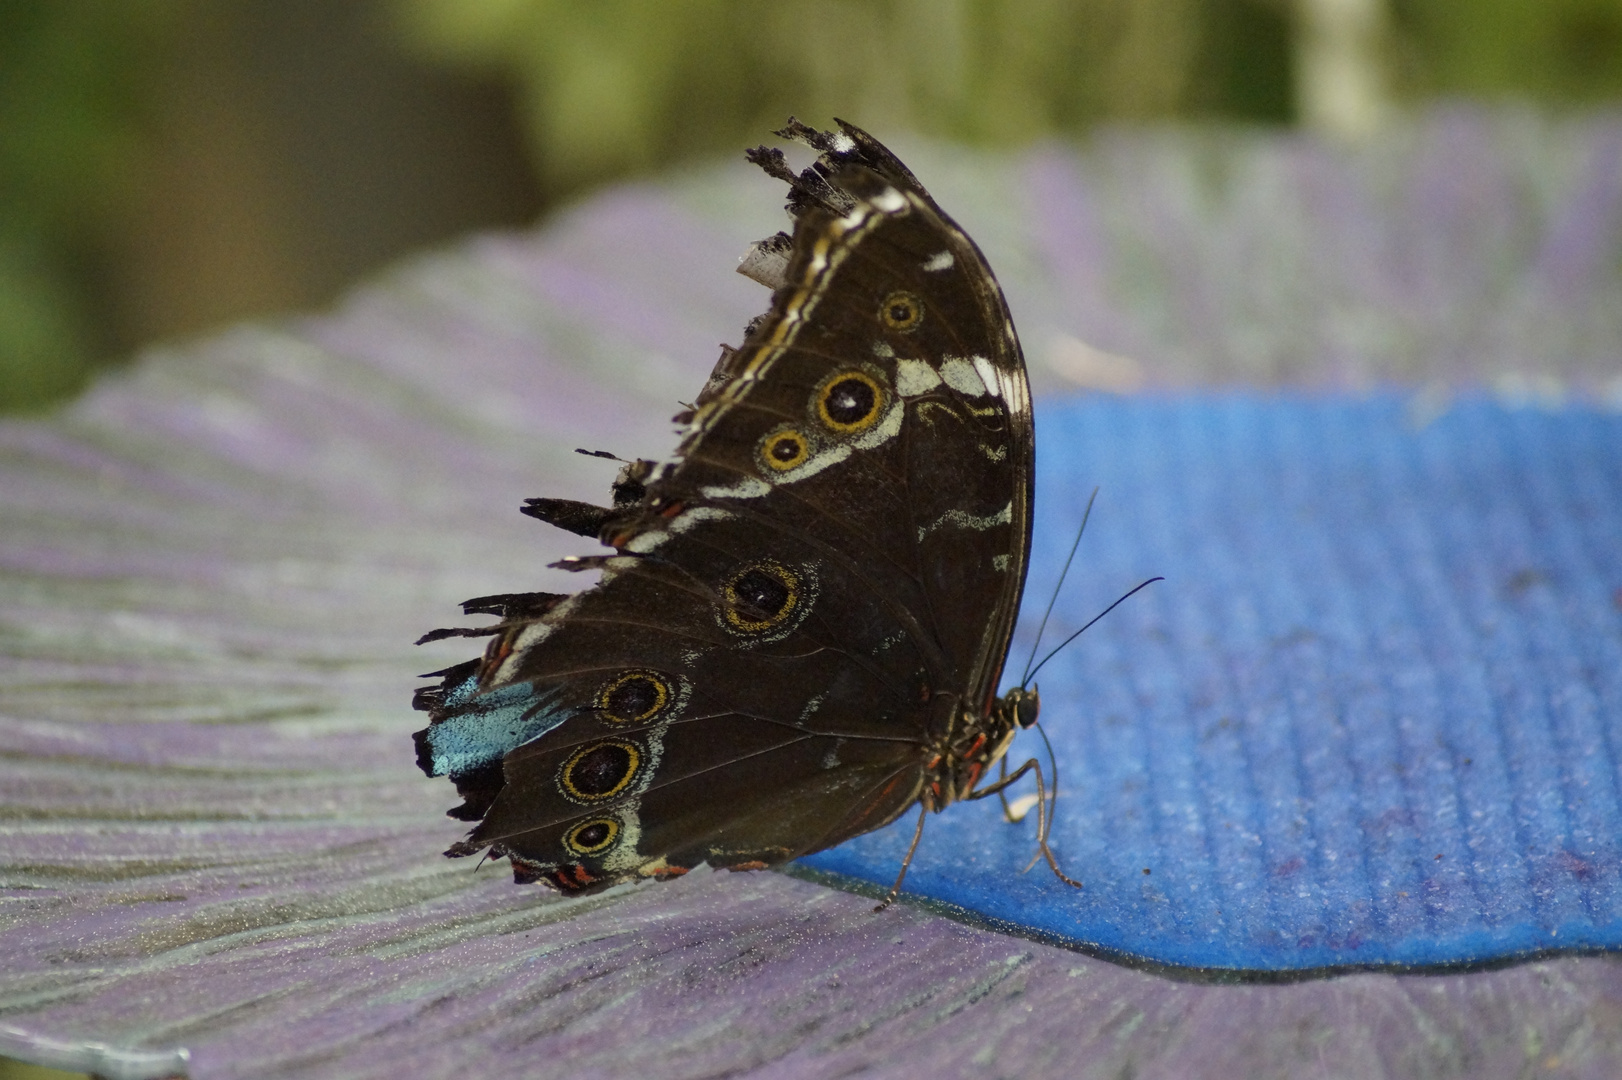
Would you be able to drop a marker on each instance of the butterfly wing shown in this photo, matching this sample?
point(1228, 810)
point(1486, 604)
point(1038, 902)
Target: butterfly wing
point(805, 600)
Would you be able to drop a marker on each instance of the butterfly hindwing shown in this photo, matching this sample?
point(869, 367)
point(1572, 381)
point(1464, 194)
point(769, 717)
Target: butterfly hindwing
point(706, 798)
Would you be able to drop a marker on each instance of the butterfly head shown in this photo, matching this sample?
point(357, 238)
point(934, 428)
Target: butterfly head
point(1021, 706)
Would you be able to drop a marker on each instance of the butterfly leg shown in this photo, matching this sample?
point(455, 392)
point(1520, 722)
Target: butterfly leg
point(1043, 821)
point(1014, 812)
point(917, 835)
point(1002, 796)
point(1001, 785)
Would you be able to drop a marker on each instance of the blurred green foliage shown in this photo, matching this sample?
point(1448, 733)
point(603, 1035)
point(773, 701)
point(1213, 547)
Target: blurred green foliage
point(17, 1070)
point(1560, 52)
point(616, 86)
point(72, 80)
point(611, 87)
point(622, 85)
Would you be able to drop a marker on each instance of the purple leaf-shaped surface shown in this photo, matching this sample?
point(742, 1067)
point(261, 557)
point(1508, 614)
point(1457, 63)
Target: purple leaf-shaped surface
point(211, 568)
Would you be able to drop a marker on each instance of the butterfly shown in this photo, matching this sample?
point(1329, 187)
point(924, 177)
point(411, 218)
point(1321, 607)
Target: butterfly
point(800, 628)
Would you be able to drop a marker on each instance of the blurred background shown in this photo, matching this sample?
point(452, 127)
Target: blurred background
point(170, 165)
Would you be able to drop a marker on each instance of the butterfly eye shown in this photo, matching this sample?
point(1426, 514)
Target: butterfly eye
point(902, 311)
point(849, 401)
point(784, 449)
point(1026, 705)
point(761, 596)
point(634, 697)
point(592, 837)
point(600, 771)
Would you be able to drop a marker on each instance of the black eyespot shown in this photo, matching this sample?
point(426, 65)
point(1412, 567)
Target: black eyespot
point(592, 837)
point(761, 596)
point(763, 593)
point(784, 449)
point(849, 401)
point(634, 697)
point(902, 311)
point(600, 771)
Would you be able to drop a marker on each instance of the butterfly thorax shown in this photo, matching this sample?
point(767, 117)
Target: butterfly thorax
point(974, 743)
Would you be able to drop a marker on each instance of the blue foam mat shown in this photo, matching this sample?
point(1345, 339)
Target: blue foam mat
point(1371, 717)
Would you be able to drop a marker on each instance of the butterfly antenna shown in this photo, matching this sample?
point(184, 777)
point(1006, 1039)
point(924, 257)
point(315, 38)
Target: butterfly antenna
point(1095, 618)
point(1025, 679)
point(602, 454)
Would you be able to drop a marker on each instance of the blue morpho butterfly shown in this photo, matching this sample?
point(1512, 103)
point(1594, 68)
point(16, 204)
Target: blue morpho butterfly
point(800, 630)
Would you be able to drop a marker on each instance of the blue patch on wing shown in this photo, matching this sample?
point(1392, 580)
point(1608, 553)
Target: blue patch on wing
point(492, 724)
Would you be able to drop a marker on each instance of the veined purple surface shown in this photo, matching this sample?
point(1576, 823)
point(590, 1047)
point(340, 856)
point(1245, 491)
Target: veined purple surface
point(211, 829)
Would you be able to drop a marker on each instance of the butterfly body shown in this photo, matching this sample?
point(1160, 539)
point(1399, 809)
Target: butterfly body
point(799, 632)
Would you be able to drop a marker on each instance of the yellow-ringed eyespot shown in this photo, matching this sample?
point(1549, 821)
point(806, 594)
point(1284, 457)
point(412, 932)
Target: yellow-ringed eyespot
point(634, 697)
point(761, 596)
point(902, 311)
point(850, 401)
point(600, 771)
point(592, 837)
point(784, 448)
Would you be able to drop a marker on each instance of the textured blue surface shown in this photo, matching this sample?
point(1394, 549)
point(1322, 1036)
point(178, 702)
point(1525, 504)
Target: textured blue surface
point(1372, 715)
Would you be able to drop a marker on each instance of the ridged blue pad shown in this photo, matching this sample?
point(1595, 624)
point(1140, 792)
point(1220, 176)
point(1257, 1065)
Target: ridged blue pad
point(1372, 715)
